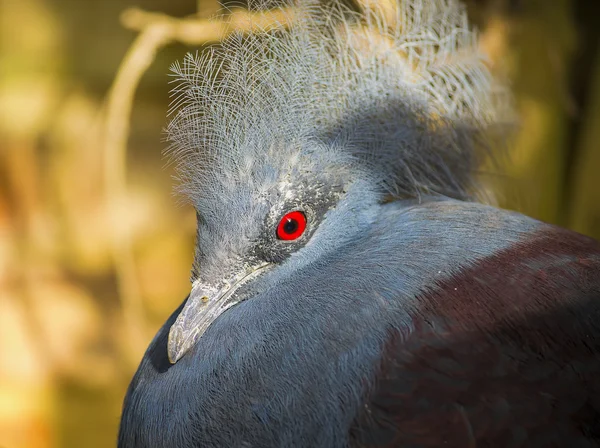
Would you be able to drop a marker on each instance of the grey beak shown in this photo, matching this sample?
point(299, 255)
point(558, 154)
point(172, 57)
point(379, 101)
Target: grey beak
point(203, 307)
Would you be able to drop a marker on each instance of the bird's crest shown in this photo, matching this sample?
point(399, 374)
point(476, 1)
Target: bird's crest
point(399, 91)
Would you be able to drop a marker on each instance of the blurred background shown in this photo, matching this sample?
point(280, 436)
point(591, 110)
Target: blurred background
point(95, 250)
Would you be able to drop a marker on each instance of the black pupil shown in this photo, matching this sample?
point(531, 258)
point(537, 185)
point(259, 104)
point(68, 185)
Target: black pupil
point(290, 226)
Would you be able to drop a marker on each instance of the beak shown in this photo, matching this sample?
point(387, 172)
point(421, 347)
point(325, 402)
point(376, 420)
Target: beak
point(202, 308)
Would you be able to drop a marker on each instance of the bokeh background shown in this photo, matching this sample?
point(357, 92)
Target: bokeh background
point(94, 248)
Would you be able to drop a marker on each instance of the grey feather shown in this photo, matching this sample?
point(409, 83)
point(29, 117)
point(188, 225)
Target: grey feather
point(402, 99)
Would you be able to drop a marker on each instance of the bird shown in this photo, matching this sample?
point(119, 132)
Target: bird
point(352, 284)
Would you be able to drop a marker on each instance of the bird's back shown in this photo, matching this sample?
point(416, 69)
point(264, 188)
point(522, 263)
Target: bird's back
point(503, 352)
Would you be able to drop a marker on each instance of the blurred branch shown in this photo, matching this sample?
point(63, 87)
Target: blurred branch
point(118, 113)
point(156, 30)
point(206, 8)
point(194, 31)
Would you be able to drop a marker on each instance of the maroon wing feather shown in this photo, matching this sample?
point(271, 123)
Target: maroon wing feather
point(507, 354)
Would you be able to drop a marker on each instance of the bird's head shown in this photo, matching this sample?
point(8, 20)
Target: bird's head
point(286, 139)
point(269, 214)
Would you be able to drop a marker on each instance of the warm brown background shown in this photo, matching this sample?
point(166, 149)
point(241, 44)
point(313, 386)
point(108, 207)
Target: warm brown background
point(95, 251)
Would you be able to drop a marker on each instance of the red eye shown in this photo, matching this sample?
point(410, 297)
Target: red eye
point(291, 226)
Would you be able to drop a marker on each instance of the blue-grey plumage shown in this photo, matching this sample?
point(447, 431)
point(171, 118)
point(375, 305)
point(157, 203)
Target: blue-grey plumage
point(293, 364)
point(397, 316)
